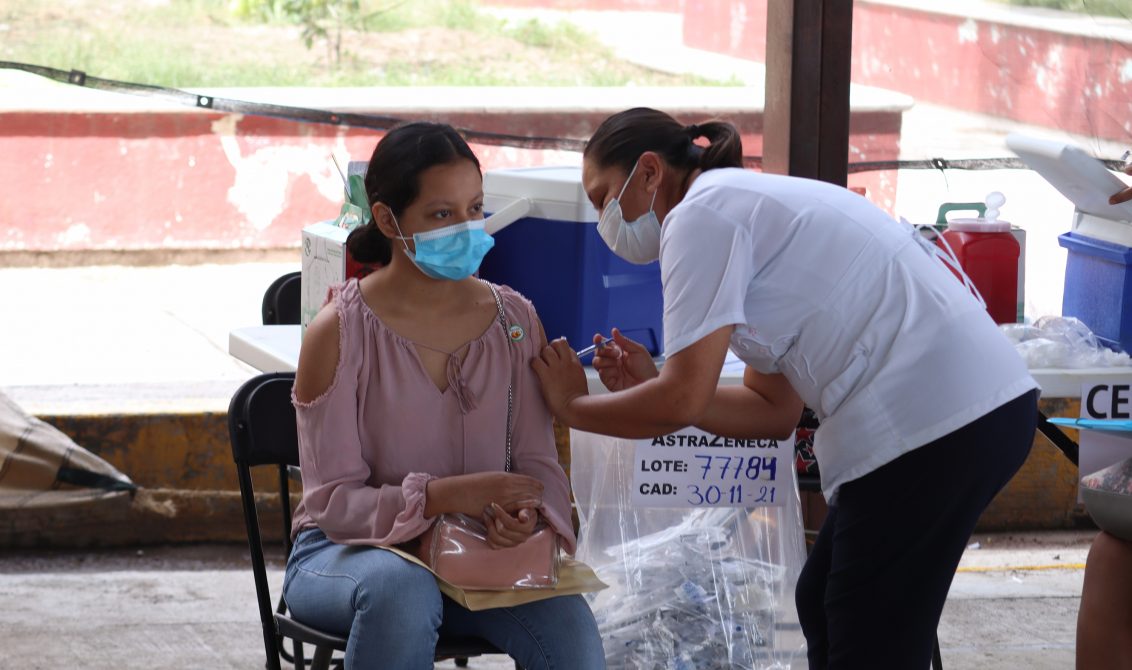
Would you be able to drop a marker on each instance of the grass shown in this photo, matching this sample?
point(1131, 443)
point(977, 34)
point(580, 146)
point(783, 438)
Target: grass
point(214, 43)
point(154, 47)
point(148, 60)
point(1119, 8)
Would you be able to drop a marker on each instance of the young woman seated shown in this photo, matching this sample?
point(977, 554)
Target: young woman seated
point(402, 399)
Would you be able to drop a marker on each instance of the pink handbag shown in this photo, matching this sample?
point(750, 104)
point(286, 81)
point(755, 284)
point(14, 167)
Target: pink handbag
point(456, 549)
point(455, 546)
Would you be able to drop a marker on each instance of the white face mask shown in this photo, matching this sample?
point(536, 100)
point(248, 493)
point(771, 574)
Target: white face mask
point(637, 241)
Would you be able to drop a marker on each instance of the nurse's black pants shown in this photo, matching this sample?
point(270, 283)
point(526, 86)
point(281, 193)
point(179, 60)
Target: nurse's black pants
point(872, 591)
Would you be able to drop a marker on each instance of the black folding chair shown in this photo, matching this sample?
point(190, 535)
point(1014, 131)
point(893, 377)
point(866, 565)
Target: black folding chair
point(281, 300)
point(261, 426)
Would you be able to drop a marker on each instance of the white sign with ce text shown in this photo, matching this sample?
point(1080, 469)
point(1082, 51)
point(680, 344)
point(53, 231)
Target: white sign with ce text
point(1099, 450)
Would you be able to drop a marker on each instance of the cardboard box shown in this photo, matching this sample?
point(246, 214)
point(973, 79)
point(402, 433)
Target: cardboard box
point(325, 263)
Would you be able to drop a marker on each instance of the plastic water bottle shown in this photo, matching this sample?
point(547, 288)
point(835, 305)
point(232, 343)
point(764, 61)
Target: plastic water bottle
point(988, 253)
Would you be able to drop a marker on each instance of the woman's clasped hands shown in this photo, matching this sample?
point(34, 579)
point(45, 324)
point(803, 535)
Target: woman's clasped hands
point(505, 530)
point(506, 502)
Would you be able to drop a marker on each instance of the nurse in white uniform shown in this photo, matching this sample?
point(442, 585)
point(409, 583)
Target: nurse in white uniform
point(926, 410)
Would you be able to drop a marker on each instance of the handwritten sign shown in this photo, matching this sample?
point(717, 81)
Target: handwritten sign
point(692, 468)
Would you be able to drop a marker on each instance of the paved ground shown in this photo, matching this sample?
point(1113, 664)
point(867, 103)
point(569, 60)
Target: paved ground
point(1013, 605)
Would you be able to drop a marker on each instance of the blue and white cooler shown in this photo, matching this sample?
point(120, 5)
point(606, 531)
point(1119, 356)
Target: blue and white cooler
point(1098, 270)
point(555, 257)
point(1098, 283)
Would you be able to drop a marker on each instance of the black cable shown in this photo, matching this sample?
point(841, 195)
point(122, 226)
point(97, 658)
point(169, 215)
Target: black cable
point(305, 114)
point(382, 123)
point(1058, 438)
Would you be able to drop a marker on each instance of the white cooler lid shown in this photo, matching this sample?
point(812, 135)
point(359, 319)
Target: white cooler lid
point(555, 192)
point(1084, 180)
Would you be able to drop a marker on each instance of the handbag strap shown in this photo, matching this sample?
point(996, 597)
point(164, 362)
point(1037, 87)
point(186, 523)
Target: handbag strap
point(510, 379)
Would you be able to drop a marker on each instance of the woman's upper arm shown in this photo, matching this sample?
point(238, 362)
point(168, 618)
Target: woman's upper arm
point(318, 356)
point(332, 454)
point(692, 374)
point(539, 331)
point(777, 391)
point(535, 450)
point(533, 425)
point(774, 387)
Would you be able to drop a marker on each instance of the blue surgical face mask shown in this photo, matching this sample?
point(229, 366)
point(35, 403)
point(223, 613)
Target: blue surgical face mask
point(452, 252)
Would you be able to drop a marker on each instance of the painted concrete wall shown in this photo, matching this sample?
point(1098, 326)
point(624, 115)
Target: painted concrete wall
point(111, 173)
point(1050, 69)
point(182, 179)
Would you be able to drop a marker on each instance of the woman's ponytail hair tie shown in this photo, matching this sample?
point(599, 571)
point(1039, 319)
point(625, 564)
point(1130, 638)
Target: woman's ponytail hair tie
point(622, 138)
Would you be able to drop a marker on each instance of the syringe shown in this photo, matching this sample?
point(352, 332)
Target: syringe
point(594, 347)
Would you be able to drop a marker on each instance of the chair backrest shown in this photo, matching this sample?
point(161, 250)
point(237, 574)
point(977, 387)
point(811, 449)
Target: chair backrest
point(281, 300)
point(261, 421)
point(261, 427)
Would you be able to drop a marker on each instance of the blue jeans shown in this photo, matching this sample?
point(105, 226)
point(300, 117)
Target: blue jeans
point(392, 612)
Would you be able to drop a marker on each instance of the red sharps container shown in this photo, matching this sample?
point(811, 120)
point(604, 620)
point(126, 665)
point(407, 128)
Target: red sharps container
point(988, 253)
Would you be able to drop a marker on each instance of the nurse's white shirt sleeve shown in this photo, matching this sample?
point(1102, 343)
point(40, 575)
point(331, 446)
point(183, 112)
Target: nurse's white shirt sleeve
point(706, 265)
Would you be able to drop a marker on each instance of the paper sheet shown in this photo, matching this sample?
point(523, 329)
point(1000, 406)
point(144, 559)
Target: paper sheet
point(574, 577)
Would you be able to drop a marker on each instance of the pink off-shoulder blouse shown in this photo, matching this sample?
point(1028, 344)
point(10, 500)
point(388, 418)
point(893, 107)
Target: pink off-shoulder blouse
point(383, 429)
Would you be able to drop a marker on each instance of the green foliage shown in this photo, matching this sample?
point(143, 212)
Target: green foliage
point(330, 21)
point(460, 14)
point(217, 43)
point(1121, 8)
point(148, 61)
point(324, 20)
point(535, 33)
point(265, 11)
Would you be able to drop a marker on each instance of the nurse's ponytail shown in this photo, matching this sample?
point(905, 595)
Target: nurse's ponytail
point(622, 138)
point(725, 148)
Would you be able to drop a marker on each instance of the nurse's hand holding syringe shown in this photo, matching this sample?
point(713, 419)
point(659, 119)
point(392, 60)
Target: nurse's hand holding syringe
point(622, 363)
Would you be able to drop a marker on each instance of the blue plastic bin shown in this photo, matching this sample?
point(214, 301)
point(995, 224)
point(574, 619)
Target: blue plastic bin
point(1098, 287)
point(556, 258)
